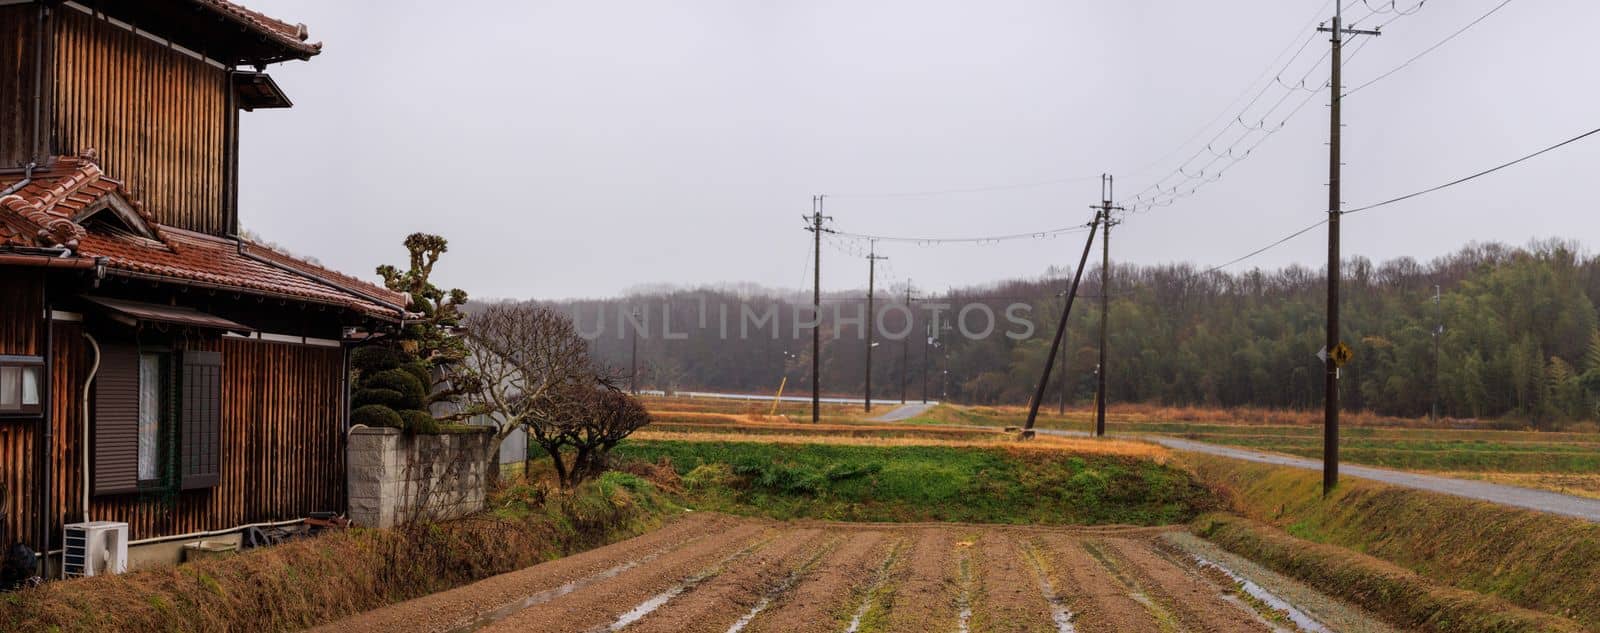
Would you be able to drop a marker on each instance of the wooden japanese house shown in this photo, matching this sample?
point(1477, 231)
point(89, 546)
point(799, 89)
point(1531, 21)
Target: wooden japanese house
point(156, 368)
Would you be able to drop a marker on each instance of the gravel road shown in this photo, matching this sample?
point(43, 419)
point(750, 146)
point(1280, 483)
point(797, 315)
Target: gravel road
point(905, 412)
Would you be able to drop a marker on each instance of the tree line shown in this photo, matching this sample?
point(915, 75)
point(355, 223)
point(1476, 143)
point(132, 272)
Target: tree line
point(1512, 334)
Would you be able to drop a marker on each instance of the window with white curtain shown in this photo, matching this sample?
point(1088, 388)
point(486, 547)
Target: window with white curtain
point(151, 387)
point(21, 382)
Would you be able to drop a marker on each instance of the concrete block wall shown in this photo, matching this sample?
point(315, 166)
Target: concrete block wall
point(395, 478)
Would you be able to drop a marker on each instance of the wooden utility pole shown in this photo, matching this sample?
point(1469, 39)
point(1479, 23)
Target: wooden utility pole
point(816, 229)
point(633, 379)
point(1333, 357)
point(1105, 209)
point(1061, 328)
point(905, 346)
point(872, 267)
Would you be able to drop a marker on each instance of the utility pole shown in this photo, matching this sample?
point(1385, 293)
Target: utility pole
point(872, 267)
point(1061, 405)
point(1439, 333)
point(926, 341)
point(633, 378)
point(905, 347)
point(1105, 208)
point(1330, 395)
point(1061, 329)
point(816, 229)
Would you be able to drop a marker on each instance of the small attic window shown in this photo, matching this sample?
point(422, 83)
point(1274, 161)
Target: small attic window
point(21, 385)
point(257, 90)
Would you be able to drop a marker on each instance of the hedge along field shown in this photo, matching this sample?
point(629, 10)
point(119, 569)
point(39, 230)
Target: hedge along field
point(925, 483)
point(1532, 559)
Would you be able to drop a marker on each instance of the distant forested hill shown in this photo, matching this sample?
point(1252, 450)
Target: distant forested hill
point(1519, 337)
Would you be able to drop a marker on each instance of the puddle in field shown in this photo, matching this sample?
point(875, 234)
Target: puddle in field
point(781, 588)
point(1058, 607)
point(491, 617)
point(872, 591)
point(745, 621)
point(1300, 618)
point(654, 602)
point(965, 615)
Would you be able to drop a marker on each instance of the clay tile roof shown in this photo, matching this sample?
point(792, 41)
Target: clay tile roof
point(291, 35)
point(43, 212)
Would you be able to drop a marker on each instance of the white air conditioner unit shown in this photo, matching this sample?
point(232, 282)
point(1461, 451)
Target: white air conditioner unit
point(95, 548)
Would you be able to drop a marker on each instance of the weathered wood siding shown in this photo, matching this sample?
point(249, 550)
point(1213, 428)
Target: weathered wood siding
point(155, 116)
point(21, 333)
point(281, 456)
point(17, 81)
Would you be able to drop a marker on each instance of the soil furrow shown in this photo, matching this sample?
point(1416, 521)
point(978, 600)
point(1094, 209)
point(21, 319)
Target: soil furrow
point(928, 595)
point(1099, 600)
point(1197, 602)
point(816, 602)
point(601, 603)
point(1008, 597)
point(464, 606)
point(714, 605)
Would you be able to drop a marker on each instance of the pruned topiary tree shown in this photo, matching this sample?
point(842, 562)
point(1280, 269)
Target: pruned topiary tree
point(400, 377)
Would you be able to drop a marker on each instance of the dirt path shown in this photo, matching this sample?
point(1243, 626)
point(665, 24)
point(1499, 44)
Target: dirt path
point(718, 574)
point(1543, 501)
point(905, 412)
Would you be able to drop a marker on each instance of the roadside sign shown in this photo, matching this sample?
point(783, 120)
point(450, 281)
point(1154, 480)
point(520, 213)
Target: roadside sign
point(1341, 354)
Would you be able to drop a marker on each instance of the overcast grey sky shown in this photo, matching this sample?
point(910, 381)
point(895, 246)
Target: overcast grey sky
point(582, 147)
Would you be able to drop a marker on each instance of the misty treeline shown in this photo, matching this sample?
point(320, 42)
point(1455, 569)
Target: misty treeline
point(1519, 337)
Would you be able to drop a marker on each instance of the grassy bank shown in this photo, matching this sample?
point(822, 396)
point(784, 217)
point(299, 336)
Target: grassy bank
point(1400, 596)
point(924, 483)
point(1531, 559)
point(304, 583)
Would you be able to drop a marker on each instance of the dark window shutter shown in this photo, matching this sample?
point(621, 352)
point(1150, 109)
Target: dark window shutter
point(200, 434)
point(116, 420)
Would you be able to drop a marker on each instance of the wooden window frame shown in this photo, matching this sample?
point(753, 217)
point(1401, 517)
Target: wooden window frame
point(41, 378)
point(189, 423)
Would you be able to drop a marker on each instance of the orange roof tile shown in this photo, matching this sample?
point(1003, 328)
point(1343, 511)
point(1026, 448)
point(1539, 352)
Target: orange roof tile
point(45, 212)
point(292, 35)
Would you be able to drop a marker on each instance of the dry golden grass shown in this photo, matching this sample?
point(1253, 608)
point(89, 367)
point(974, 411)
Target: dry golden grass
point(1123, 448)
point(1576, 484)
point(1139, 412)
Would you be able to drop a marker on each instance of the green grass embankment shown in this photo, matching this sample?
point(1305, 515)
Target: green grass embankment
point(1531, 559)
point(925, 483)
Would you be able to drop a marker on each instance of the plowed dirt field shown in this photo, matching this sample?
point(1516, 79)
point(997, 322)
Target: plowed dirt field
point(717, 573)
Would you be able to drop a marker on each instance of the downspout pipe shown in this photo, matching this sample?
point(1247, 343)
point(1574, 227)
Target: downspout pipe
point(47, 457)
point(39, 33)
point(94, 368)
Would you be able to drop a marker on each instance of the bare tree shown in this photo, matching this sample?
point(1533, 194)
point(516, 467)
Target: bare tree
point(586, 418)
point(519, 353)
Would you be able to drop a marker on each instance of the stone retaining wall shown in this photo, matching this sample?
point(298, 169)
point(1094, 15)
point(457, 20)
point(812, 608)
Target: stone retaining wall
point(395, 478)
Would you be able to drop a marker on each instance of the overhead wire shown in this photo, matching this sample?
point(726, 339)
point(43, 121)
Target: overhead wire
point(1429, 49)
point(1409, 196)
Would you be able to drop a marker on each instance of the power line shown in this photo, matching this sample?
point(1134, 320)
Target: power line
point(1429, 49)
point(979, 189)
point(1408, 197)
point(928, 241)
point(1479, 174)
